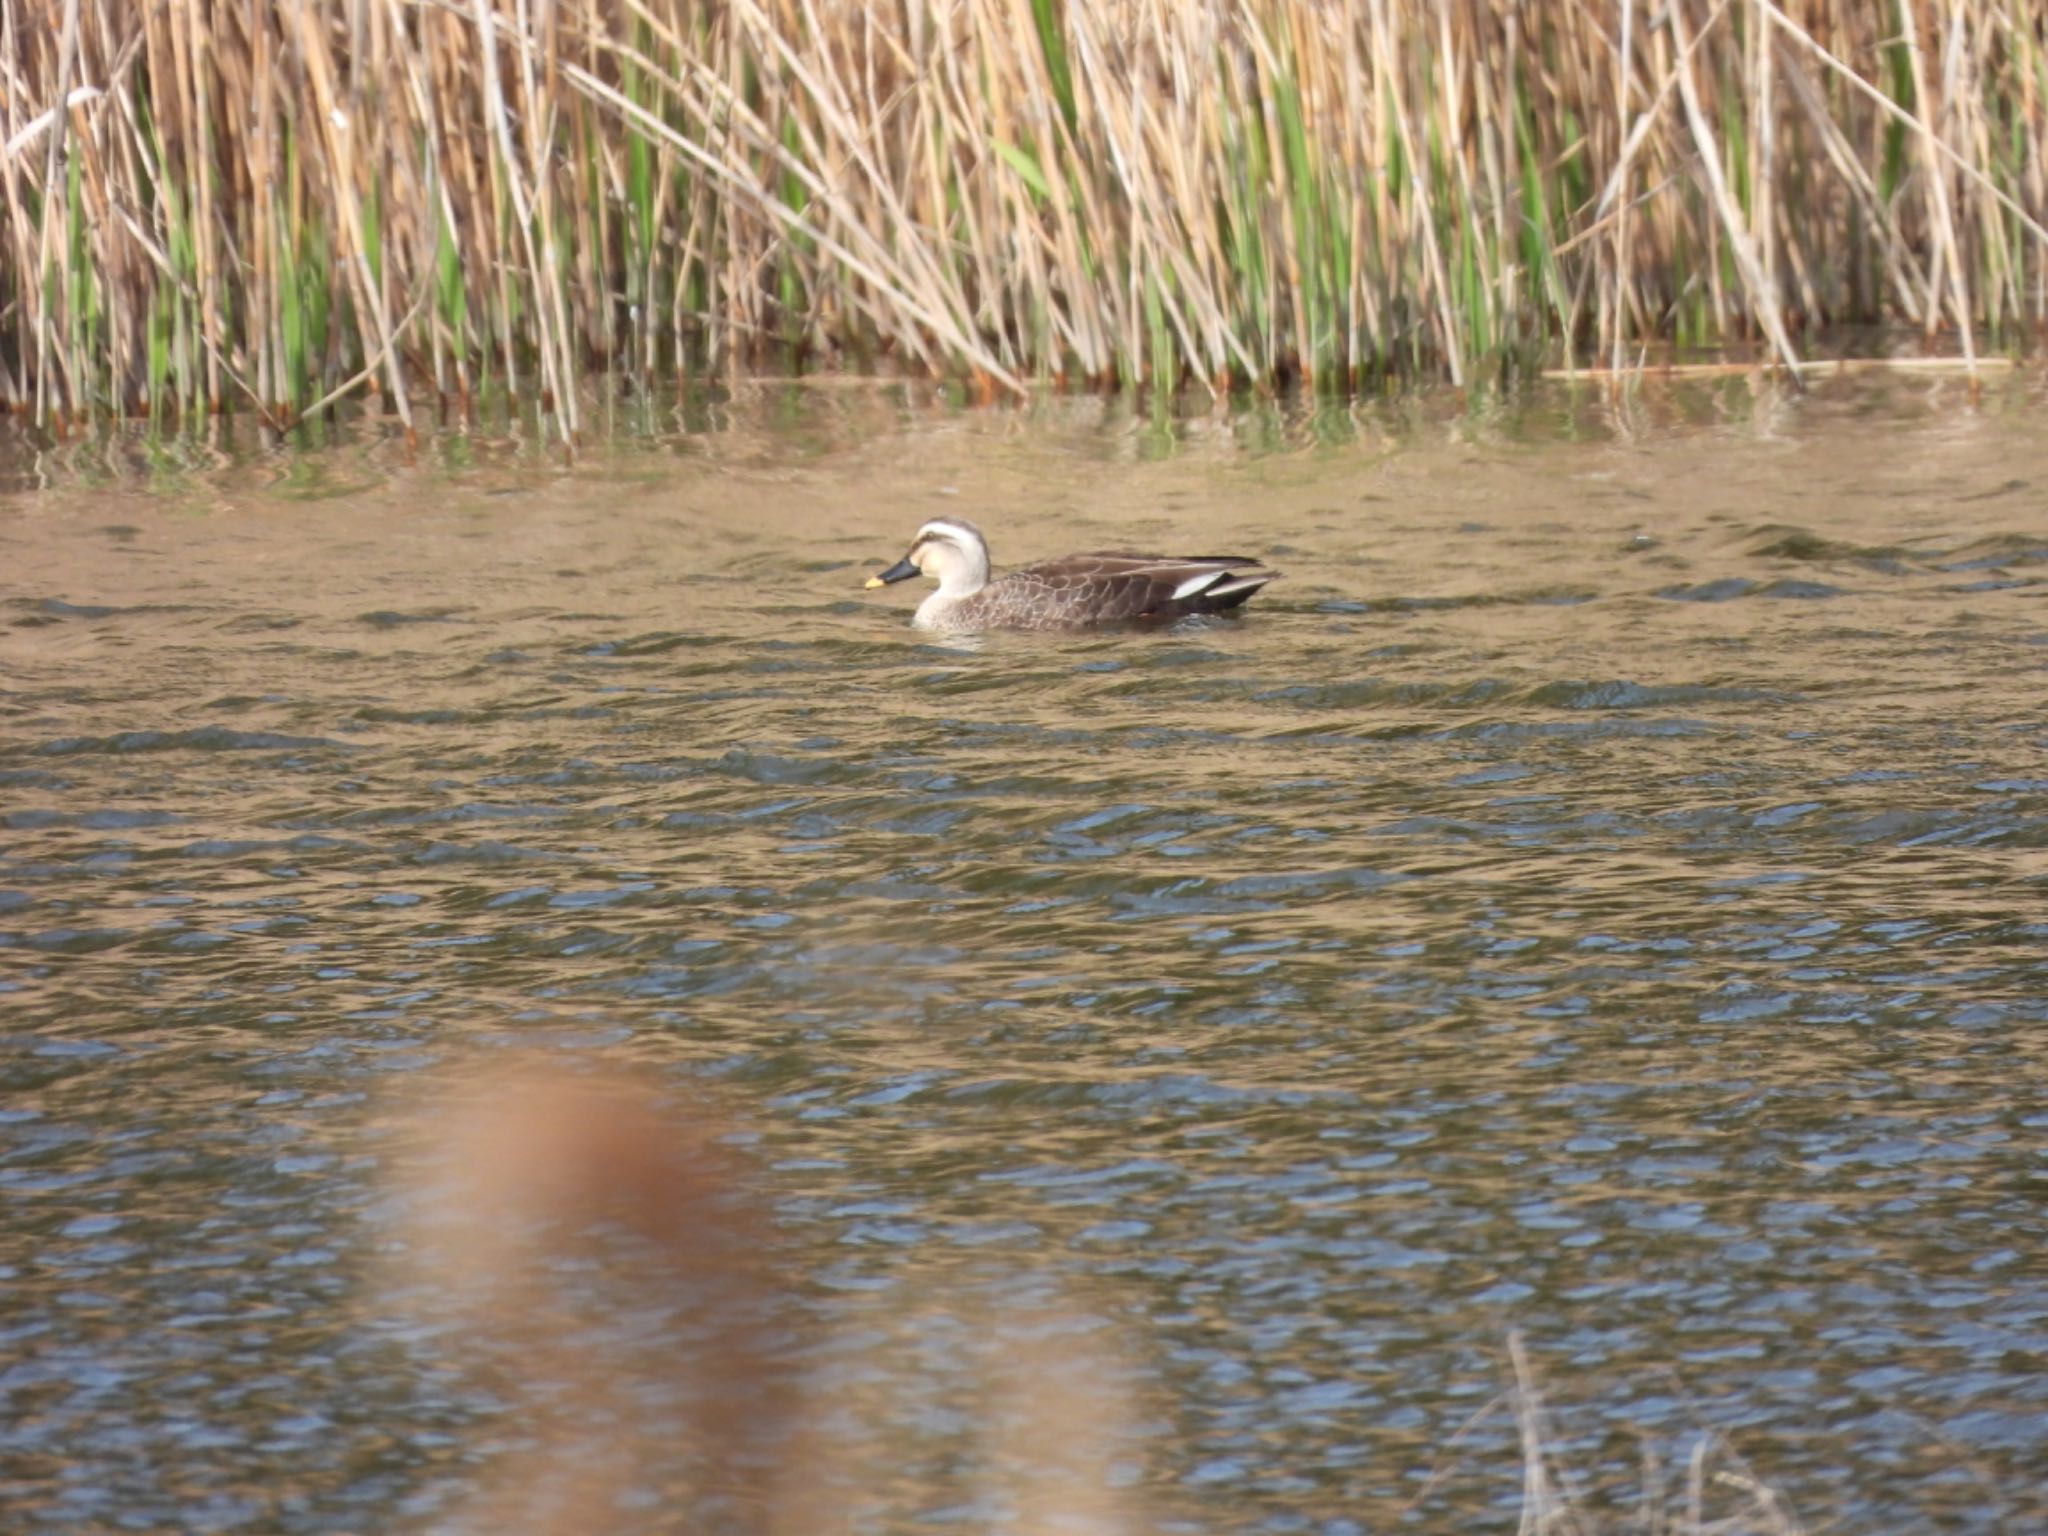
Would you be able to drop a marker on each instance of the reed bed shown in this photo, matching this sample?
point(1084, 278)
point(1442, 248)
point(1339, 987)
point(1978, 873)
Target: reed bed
point(214, 205)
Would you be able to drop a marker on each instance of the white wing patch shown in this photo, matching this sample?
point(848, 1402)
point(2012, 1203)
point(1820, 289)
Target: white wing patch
point(1249, 581)
point(1200, 581)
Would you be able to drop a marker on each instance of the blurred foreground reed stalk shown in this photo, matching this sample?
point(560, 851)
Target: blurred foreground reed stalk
point(592, 1247)
point(273, 205)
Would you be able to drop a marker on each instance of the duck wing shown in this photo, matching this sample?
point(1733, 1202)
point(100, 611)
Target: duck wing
point(1115, 587)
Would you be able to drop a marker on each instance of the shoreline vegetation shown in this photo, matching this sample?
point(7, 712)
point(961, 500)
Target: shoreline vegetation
point(268, 208)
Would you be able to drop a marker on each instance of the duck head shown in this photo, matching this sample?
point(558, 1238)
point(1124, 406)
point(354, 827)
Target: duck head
point(951, 551)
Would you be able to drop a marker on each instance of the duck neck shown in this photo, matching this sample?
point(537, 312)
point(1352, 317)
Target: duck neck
point(933, 611)
point(963, 577)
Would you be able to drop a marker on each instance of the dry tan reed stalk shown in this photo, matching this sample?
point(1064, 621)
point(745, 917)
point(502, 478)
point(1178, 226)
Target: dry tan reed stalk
point(1763, 291)
point(209, 201)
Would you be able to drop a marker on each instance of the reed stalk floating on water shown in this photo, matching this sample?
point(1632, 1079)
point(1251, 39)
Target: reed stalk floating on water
point(215, 206)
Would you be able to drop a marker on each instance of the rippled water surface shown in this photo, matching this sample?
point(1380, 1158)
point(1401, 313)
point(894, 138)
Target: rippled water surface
point(1601, 892)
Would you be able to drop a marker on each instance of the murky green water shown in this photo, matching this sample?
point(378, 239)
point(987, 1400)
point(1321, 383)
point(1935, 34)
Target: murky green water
point(1602, 892)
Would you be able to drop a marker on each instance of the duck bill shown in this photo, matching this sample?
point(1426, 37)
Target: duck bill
point(902, 570)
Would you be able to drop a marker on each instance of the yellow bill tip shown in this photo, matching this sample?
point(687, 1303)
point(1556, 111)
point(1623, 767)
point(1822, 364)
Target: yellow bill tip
point(874, 581)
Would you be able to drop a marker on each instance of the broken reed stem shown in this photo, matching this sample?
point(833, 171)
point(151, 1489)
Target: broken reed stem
point(1757, 281)
point(1722, 1495)
point(208, 204)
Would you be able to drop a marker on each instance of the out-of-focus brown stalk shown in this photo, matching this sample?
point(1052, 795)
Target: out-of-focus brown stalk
point(544, 1206)
point(587, 1244)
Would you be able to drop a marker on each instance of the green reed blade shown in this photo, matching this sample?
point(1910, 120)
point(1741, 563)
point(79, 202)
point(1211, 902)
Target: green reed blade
point(1052, 42)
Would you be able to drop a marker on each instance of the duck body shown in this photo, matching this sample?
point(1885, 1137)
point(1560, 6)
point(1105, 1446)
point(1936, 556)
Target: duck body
point(1070, 592)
